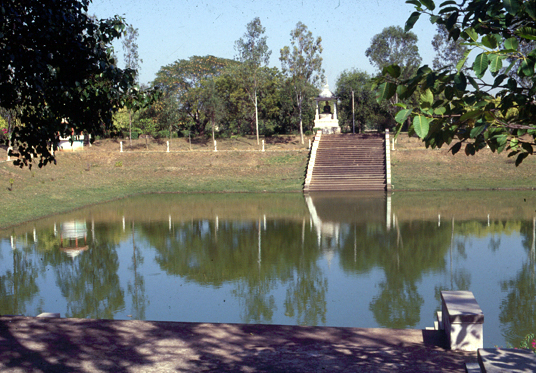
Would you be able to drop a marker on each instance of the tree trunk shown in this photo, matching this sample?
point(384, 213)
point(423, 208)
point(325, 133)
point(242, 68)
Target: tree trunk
point(130, 127)
point(300, 114)
point(256, 118)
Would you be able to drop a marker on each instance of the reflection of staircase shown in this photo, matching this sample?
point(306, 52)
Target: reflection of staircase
point(347, 162)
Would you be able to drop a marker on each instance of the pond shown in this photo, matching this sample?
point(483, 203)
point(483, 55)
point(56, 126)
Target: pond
point(354, 260)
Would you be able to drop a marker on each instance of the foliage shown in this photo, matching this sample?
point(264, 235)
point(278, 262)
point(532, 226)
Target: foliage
point(302, 63)
point(368, 112)
point(394, 46)
point(57, 72)
point(130, 49)
point(464, 107)
point(182, 81)
point(529, 342)
point(448, 51)
point(253, 52)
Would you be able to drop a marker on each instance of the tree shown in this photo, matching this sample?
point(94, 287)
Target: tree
point(302, 63)
point(253, 52)
point(367, 110)
point(132, 61)
point(183, 79)
point(58, 72)
point(394, 46)
point(463, 107)
point(448, 51)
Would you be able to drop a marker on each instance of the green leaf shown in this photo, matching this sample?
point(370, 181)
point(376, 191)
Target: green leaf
point(526, 32)
point(499, 80)
point(520, 158)
point(393, 70)
point(473, 83)
point(402, 105)
point(385, 91)
point(480, 65)
point(495, 63)
point(428, 3)
point(456, 148)
point(477, 131)
point(402, 115)
point(512, 6)
point(489, 41)
point(511, 43)
point(449, 2)
point(471, 33)
point(470, 149)
point(470, 115)
point(427, 97)
point(414, 2)
point(531, 11)
point(460, 63)
point(460, 82)
point(526, 68)
point(440, 110)
point(414, 17)
point(421, 125)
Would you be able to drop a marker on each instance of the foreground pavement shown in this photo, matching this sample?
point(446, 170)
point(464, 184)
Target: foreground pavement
point(30, 344)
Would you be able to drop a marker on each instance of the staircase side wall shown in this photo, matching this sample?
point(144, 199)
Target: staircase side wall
point(387, 161)
point(312, 158)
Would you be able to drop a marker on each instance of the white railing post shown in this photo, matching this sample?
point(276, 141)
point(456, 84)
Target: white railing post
point(215, 146)
point(387, 160)
point(167, 146)
point(8, 156)
point(121, 145)
point(262, 145)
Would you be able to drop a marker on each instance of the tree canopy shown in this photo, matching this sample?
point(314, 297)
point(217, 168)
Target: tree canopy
point(58, 73)
point(302, 63)
point(482, 105)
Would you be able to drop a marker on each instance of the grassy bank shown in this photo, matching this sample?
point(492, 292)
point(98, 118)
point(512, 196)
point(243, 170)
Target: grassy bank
point(102, 173)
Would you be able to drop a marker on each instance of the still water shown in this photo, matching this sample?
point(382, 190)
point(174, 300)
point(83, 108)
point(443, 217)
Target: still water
point(356, 260)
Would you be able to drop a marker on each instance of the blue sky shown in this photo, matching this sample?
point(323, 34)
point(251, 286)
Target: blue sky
point(177, 29)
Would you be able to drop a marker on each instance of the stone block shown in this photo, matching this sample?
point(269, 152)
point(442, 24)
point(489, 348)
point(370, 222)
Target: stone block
point(463, 320)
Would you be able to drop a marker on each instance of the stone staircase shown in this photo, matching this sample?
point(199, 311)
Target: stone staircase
point(347, 162)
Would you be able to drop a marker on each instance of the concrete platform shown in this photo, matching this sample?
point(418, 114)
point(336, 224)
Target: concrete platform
point(80, 345)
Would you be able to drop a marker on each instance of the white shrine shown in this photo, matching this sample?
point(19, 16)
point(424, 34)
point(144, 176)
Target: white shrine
point(327, 120)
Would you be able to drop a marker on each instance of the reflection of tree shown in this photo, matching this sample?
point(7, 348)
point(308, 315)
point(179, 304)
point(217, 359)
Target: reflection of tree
point(18, 286)
point(518, 309)
point(404, 254)
point(306, 295)
point(90, 283)
point(136, 287)
point(231, 251)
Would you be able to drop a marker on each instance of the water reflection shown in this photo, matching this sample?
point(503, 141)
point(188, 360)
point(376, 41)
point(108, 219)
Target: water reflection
point(362, 260)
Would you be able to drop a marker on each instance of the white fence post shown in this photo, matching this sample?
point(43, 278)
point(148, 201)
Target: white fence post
point(121, 143)
point(167, 146)
point(215, 146)
point(8, 150)
point(262, 145)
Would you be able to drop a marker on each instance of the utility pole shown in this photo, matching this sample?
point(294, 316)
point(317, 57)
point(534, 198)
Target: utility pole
point(353, 114)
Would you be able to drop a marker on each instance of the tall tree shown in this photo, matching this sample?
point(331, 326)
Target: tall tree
point(58, 72)
point(499, 114)
point(394, 46)
point(364, 110)
point(132, 61)
point(302, 63)
point(183, 79)
point(448, 51)
point(253, 52)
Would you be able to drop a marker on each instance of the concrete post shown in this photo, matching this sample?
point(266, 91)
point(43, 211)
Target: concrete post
point(8, 150)
point(387, 160)
point(121, 144)
point(309, 144)
point(167, 142)
point(215, 146)
point(262, 145)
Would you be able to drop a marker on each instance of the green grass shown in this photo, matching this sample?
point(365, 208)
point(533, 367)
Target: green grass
point(102, 174)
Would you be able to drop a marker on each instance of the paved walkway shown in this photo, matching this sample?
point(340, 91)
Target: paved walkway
point(81, 345)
